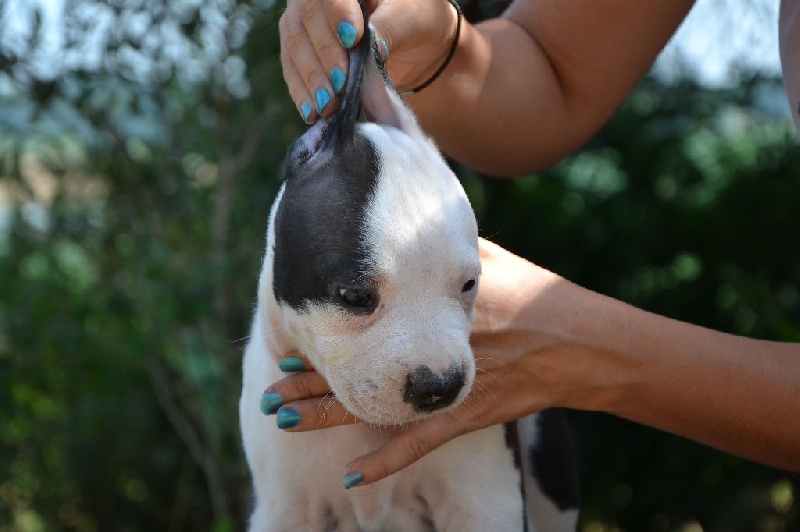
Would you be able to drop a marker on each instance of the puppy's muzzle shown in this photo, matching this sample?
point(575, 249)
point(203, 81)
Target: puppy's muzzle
point(427, 391)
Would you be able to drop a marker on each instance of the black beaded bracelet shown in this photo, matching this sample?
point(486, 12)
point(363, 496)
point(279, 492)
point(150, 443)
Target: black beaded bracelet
point(450, 54)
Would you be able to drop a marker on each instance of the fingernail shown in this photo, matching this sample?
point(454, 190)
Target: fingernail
point(352, 479)
point(385, 54)
point(347, 34)
point(323, 97)
point(338, 78)
point(291, 364)
point(271, 402)
point(288, 418)
point(305, 111)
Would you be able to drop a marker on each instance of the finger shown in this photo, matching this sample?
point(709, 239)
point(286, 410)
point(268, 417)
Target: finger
point(297, 89)
point(294, 362)
point(420, 37)
point(312, 414)
point(344, 17)
point(297, 386)
point(330, 55)
point(345, 24)
point(403, 450)
point(296, 46)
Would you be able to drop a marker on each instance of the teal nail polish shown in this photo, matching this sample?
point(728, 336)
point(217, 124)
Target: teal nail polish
point(305, 111)
point(337, 79)
point(352, 479)
point(323, 97)
point(271, 402)
point(385, 49)
point(288, 418)
point(291, 364)
point(347, 34)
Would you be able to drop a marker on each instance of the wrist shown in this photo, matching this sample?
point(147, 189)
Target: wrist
point(450, 51)
point(584, 356)
point(441, 48)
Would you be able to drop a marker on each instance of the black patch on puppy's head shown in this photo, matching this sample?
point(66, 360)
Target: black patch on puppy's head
point(320, 225)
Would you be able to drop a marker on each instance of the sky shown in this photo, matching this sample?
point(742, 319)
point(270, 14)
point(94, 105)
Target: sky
point(720, 33)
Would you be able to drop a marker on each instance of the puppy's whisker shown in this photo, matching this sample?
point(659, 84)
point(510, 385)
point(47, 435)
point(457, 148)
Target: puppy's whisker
point(487, 372)
point(325, 403)
point(486, 390)
point(492, 360)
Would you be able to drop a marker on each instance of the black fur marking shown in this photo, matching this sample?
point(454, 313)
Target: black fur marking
point(512, 442)
point(553, 460)
point(319, 228)
point(331, 174)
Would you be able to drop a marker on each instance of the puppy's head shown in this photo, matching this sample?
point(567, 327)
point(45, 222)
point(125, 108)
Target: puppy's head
point(374, 256)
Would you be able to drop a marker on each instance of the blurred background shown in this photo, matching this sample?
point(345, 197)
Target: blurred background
point(140, 142)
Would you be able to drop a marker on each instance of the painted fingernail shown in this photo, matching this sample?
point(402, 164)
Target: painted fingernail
point(337, 79)
point(291, 364)
point(352, 479)
point(323, 97)
point(385, 54)
point(347, 34)
point(288, 418)
point(305, 111)
point(271, 402)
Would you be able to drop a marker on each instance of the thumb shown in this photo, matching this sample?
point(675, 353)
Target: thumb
point(393, 29)
point(417, 34)
point(402, 450)
point(409, 27)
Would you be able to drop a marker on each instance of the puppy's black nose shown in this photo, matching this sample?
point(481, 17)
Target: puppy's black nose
point(426, 391)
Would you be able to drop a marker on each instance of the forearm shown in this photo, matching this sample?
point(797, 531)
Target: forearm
point(736, 394)
point(524, 90)
point(483, 112)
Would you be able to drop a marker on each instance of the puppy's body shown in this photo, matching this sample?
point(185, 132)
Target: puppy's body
point(371, 271)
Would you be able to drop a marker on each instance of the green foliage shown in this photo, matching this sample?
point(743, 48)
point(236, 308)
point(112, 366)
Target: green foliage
point(131, 236)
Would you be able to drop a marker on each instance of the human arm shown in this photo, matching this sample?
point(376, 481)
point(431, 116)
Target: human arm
point(522, 90)
point(541, 341)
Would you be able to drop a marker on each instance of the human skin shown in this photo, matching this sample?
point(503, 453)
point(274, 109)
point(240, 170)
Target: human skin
point(539, 340)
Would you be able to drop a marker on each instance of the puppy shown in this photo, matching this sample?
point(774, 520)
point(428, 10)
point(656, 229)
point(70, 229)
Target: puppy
point(371, 271)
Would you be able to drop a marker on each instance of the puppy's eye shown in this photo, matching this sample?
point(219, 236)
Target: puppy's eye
point(356, 297)
point(469, 285)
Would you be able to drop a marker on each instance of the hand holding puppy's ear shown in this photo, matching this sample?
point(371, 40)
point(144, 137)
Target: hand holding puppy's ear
point(414, 37)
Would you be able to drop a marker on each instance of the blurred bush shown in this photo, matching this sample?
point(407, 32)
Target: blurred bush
point(136, 174)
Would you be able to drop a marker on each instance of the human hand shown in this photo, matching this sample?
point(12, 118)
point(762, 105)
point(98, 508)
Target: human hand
point(414, 37)
point(518, 371)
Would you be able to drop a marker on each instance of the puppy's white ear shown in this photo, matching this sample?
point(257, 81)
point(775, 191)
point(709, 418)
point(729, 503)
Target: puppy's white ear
point(380, 101)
